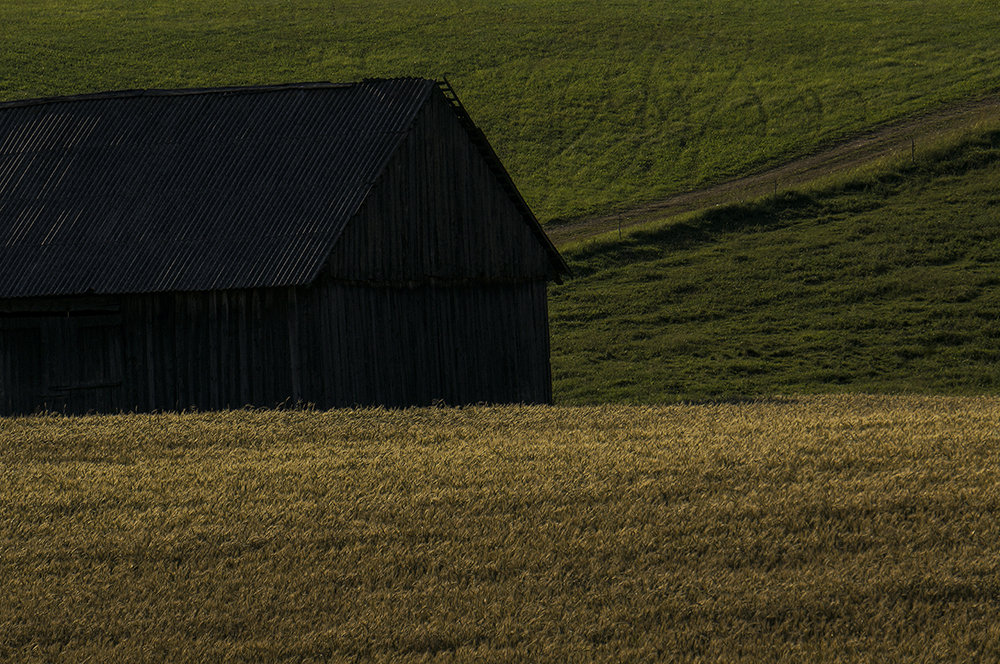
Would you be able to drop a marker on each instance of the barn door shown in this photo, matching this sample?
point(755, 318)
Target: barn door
point(60, 360)
point(83, 361)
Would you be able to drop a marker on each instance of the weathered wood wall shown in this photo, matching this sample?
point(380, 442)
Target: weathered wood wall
point(330, 345)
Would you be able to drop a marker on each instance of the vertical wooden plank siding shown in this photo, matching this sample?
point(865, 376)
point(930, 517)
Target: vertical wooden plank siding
point(333, 344)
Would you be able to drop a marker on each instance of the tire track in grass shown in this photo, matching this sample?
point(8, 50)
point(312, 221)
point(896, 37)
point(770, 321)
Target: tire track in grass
point(692, 159)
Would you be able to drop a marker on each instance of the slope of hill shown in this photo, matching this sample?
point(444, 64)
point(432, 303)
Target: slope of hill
point(870, 150)
point(592, 105)
point(888, 283)
point(833, 529)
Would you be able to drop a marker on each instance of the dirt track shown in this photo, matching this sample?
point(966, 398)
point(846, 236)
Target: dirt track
point(896, 138)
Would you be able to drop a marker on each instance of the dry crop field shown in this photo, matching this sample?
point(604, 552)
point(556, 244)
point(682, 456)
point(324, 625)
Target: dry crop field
point(846, 528)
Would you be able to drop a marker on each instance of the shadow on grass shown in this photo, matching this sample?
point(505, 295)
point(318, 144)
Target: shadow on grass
point(706, 227)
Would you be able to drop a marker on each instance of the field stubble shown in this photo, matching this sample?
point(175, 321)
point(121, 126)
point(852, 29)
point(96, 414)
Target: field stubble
point(815, 528)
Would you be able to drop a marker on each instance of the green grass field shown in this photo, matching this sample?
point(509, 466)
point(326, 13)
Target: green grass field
point(592, 105)
point(831, 529)
point(887, 283)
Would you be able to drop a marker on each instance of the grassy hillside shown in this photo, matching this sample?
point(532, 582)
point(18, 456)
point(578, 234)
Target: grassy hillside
point(889, 283)
point(815, 529)
point(591, 104)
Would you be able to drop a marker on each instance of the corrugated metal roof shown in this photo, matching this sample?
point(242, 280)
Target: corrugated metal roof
point(142, 191)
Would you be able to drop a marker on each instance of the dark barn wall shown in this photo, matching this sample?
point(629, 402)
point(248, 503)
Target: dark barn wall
point(403, 346)
point(330, 345)
point(339, 345)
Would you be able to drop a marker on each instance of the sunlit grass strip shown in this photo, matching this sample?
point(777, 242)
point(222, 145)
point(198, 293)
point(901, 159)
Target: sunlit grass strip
point(820, 528)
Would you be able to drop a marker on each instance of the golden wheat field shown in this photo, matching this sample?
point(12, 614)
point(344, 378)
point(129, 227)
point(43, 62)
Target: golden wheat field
point(795, 529)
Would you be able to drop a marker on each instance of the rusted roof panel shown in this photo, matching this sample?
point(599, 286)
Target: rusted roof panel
point(143, 191)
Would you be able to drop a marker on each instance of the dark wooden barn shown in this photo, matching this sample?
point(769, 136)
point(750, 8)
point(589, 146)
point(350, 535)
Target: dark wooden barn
point(319, 243)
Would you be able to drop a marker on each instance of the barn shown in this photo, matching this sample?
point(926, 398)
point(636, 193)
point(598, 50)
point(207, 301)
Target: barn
point(320, 243)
